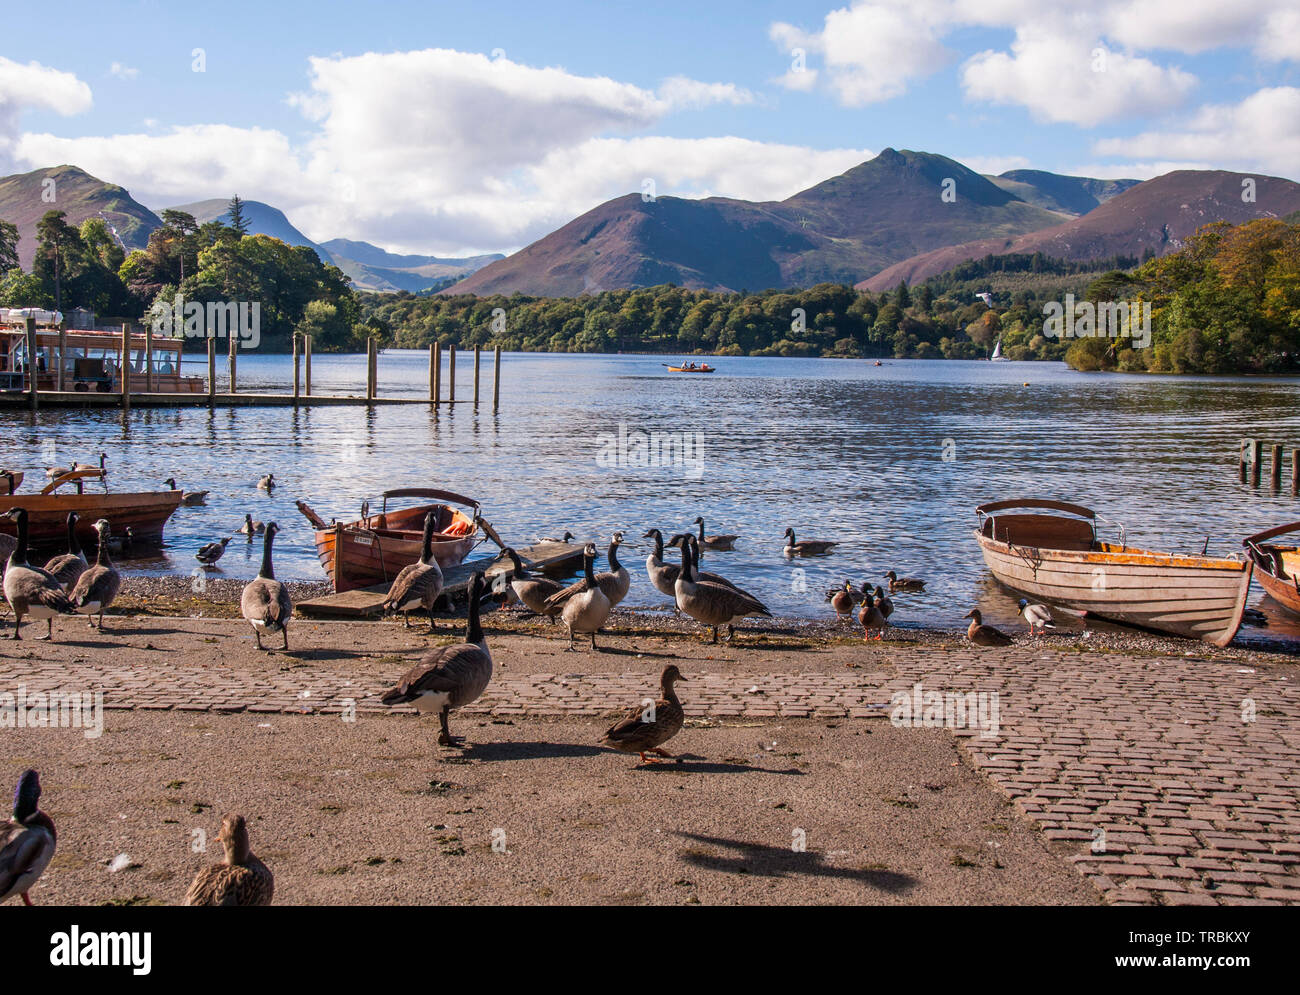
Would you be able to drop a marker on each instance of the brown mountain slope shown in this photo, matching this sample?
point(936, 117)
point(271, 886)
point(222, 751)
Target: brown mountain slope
point(1159, 214)
point(80, 196)
point(877, 213)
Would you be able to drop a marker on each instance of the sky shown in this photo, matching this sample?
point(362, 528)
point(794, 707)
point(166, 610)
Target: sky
point(458, 128)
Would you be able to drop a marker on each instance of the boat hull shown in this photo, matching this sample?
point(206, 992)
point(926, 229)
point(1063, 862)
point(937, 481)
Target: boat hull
point(47, 515)
point(1277, 566)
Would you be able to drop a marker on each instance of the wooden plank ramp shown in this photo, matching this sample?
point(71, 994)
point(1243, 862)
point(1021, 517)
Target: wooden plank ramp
point(366, 602)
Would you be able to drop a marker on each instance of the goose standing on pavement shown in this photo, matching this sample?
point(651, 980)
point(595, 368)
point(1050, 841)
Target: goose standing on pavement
point(251, 528)
point(418, 584)
point(984, 635)
point(588, 608)
point(98, 586)
point(664, 575)
point(712, 604)
point(533, 591)
point(27, 841)
point(188, 498)
point(240, 880)
point(647, 726)
point(450, 676)
point(806, 547)
point(614, 583)
point(724, 543)
point(906, 584)
point(68, 566)
point(210, 552)
point(1039, 615)
point(28, 589)
point(265, 602)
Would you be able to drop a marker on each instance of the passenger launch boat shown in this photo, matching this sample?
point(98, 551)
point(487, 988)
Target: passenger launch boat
point(1050, 550)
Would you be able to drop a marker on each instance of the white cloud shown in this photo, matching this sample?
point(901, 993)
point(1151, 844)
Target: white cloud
point(34, 86)
point(123, 71)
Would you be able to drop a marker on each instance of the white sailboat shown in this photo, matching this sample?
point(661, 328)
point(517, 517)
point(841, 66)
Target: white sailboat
point(997, 356)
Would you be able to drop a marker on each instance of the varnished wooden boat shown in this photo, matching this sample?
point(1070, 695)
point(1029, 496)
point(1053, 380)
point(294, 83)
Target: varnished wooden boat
point(374, 548)
point(1277, 566)
point(47, 514)
point(1050, 550)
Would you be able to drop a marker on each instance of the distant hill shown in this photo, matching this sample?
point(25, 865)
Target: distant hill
point(263, 219)
point(1158, 214)
point(875, 214)
point(1054, 192)
point(80, 196)
point(372, 268)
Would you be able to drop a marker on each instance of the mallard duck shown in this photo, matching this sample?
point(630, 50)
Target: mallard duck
point(241, 879)
point(265, 602)
point(568, 538)
point(586, 610)
point(418, 584)
point(984, 635)
point(27, 841)
point(533, 591)
point(725, 543)
point(28, 589)
point(664, 575)
point(188, 498)
point(210, 552)
point(614, 583)
point(806, 547)
point(712, 604)
point(645, 727)
point(1039, 615)
point(450, 676)
point(882, 601)
point(96, 588)
point(897, 583)
point(251, 528)
point(68, 566)
point(842, 602)
point(266, 483)
point(872, 618)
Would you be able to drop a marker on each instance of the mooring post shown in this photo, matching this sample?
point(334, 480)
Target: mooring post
point(148, 358)
point(1256, 460)
point(1275, 469)
point(306, 346)
point(212, 371)
point(63, 352)
point(1295, 471)
point(125, 371)
point(234, 340)
point(477, 350)
point(1242, 459)
point(29, 324)
point(496, 379)
point(296, 371)
point(370, 368)
point(451, 375)
point(435, 373)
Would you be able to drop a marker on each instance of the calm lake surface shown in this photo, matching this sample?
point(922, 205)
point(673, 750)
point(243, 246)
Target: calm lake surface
point(838, 449)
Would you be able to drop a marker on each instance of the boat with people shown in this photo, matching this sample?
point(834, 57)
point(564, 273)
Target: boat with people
point(373, 549)
point(692, 368)
point(1051, 551)
point(1277, 565)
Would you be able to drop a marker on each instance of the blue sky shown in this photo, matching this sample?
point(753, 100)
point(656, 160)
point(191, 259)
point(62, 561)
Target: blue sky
point(397, 123)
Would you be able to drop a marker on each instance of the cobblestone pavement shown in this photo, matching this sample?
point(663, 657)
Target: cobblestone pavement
point(1166, 780)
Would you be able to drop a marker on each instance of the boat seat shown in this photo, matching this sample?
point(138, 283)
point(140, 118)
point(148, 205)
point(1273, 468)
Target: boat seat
point(1042, 531)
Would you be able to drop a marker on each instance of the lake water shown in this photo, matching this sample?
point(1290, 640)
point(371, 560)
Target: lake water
point(890, 460)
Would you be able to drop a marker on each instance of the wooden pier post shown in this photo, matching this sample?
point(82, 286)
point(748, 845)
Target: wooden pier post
point(476, 360)
point(148, 358)
point(296, 371)
point(212, 371)
point(234, 344)
point(306, 346)
point(1242, 460)
point(433, 376)
point(1256, 460)
point(29, 326)
point(1295, 471)
point(1275, 469)
point(124, 371)
point(371, 367)
point(451, 375)
point(63, 352)
point(496, 380)
point(436, 352)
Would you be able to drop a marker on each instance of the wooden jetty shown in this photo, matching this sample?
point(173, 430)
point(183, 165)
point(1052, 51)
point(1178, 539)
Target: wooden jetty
point(366, 602)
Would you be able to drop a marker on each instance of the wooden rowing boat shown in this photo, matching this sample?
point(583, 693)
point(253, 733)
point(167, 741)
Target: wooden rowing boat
point(374, 548)
point(47, 513)
point(1050, 550)
point(10, 481)
point(1277, 567)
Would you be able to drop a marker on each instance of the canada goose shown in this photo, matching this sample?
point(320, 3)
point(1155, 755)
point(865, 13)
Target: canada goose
point(1039, 615)
point(568, 538)
point(188, 498)
point(897, 583)
point(613, 582)
point(984, 635)
point(586, 610)
point(251, 528)
point(719, 542)
point(122, 543)
point(239, 880)
point(68, 566)
point(645, 727)
point(28, 589)
point(98, 585)
point(664, 575)
point(418, 584)
point(885, 604)
point(53, 472)
point(842, 602)
point(210, 552)
point(871, 617)
point(27, 841)
point(712, 604)
point(10, 479)
point(806, 547)
point(265, 602)
point(450, 676)
point(92, 466)
point(533, 591)
point(266, 483)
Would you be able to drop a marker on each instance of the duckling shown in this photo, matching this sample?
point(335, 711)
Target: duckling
point(419, 584)
point(70, 565)
point(897, 583)
point(842, 602)
point(725, 543)
point(450, 676)
point(646, 727)
point(251, 528)
point(806, 547)
point(210, 552)
point(872, 618)
point(984, 635)
point(188, 498)
point(1039, 615)
point(241, 879)
point(27, 841)
point(533, 591)
point(266, 483)
point(712, 604)
point(265, 602)
point(98, 585)
point(585, 611)
point(28, 589)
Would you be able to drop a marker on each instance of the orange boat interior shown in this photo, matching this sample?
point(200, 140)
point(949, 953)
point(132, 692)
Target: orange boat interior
point(408, 523)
